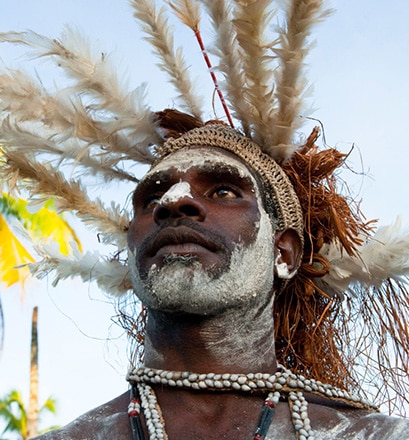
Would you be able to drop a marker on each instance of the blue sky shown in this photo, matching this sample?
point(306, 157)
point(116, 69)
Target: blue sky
point(358, 69)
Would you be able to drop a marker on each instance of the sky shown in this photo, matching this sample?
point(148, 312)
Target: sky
point(358, 71)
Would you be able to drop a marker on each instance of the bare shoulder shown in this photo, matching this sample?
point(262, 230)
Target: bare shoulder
point(109, 420)
point(352, 424)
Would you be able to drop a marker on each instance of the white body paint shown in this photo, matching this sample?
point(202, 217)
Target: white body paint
point(108, 421)
point(176, 192)
point(191, 289)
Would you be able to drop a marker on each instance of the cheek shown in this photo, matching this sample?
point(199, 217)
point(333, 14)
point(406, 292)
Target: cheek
point(246, 224)
point(138, 229)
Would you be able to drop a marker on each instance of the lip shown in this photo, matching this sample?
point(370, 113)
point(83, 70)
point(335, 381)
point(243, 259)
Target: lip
point(179, 240)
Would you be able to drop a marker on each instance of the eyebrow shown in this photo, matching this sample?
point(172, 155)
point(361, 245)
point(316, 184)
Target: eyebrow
point(223, 171)
point(213, 171)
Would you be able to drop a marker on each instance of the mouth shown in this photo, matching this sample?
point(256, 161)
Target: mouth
point(179, 240)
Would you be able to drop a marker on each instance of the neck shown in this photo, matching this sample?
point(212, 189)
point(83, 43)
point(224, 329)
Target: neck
point(237, 340)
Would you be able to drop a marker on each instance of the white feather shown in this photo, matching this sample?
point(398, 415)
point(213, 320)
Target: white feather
point(95, 108)
point(111, 276)
point(290, 78)
point(160, 36)
point(251, 20)
point(384, 256)
point(230, 61)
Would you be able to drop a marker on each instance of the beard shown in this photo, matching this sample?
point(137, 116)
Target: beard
point(183, 285)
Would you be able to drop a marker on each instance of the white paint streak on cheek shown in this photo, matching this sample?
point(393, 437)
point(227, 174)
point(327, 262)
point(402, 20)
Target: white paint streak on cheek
point(176, 192)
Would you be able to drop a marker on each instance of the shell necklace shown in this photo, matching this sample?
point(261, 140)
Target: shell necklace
point(282, 384)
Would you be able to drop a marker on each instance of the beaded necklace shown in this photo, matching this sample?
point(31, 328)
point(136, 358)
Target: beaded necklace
point(282, 384)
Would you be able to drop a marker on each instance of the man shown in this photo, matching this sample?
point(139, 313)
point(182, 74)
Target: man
point(240, 249)
point(207, 258)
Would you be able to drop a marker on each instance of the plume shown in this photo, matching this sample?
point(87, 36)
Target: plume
point(230, 60)
point(385, 256)
point(111, 276)
point(251, 19)
point(27, 141)
point(188, 12)
point(83, 108)
point(290, 78)
point(70, 196)
point(160, 36)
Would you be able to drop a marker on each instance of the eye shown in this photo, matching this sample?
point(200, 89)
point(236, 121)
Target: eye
point(151, 202)
point(224, 192)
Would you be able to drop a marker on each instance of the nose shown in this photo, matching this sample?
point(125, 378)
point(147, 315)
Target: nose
point(186, 206)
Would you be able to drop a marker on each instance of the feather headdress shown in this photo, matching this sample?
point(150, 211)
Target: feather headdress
point(344, 318)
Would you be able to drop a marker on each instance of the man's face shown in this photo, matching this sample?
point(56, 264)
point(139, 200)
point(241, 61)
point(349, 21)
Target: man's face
point(199, 233)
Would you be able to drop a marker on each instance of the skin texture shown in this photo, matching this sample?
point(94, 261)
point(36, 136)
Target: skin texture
point(201, 213)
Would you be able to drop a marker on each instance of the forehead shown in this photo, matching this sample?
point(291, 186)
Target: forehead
point(203, 159)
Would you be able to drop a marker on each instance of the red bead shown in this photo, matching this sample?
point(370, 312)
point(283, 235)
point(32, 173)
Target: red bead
point(258, 437)
point(270, 403)
point(133, 413)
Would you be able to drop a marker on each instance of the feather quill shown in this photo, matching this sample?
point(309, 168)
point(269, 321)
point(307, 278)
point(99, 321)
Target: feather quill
point(188, 12)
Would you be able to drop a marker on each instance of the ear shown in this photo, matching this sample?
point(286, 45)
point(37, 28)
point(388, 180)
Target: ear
point(287, 253)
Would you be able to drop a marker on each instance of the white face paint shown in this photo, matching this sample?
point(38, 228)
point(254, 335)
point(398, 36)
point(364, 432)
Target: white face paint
point(191, 289)
point(176, 192)
point(188, 287)
point(198, 157)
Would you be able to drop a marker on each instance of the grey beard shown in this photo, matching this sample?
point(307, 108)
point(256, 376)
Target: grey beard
point(184, 285)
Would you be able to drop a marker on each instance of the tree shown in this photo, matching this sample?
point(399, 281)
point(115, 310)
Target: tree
point(13, 411)
point(45, 225)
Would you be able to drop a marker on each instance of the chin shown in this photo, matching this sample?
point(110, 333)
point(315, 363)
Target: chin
point(184, 285)
point(181, 285)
